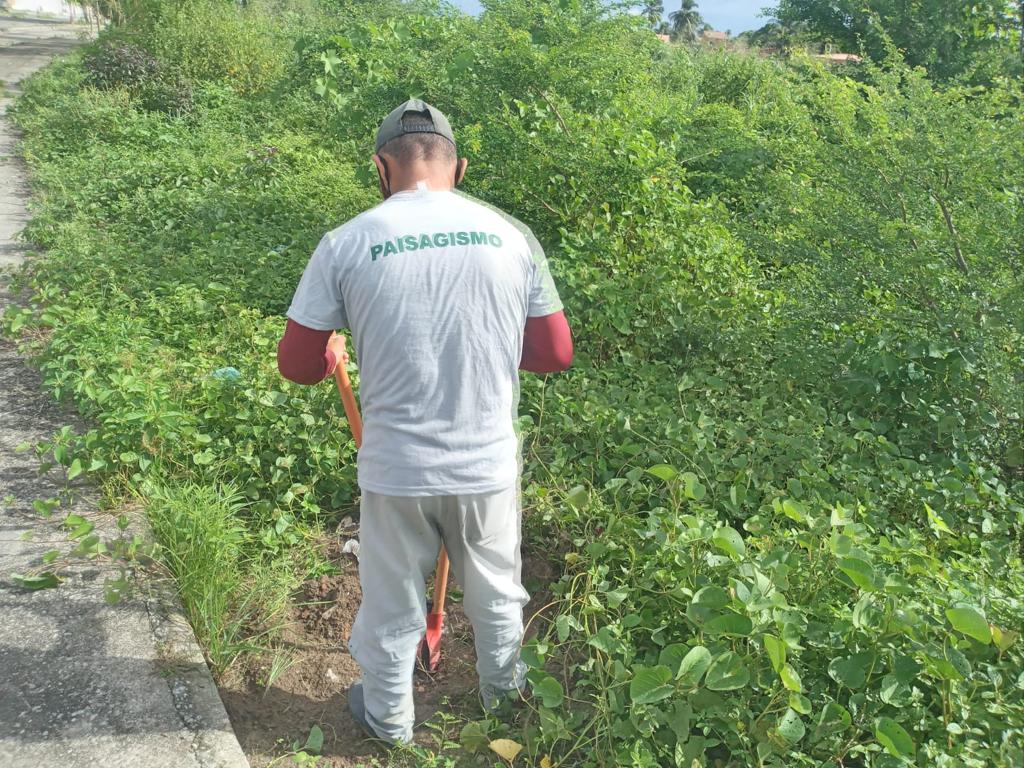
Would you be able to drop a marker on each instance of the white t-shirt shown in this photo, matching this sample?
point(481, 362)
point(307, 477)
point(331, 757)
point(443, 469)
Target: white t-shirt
point(436, 288)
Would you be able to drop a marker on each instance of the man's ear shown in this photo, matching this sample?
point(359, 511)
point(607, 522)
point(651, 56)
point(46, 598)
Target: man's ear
point(460, 170)
point(382, 176)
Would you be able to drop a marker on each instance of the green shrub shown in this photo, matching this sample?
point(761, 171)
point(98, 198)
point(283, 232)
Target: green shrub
point(114, 64)
point(212, 40)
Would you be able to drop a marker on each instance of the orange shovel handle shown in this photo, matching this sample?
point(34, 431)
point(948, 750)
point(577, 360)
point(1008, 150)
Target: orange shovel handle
point(440, 583)
point(348, 399)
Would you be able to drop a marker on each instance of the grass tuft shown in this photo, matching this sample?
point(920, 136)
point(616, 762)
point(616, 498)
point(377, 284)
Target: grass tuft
point(233, 598)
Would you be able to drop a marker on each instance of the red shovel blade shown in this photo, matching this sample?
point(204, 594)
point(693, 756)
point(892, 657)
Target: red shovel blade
point(430, 645)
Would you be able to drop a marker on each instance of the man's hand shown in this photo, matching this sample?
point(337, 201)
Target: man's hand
point(336, 345)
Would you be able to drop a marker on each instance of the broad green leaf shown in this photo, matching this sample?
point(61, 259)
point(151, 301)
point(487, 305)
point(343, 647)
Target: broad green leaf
point(800, 703)
point(840, 516)
point(711, 596)
point(860, 572)
point(672, 655)
point(663, 472)
point(692, 487)
point(730, 541)
point(564, 624)
point(729, 624)
point(75, 469)
point(82, 530)
point(679, 720)
point(315, 741)
point(45, 507)
point(577, 496)
point(791, 727)
point(971, 622)
point(776, 651)
point(834, 718)
point(1003, 638)
point(937, 523)
point(794, 510)
point(1015, 456)
point(727, 673)
point(957, 660)
point(693, 666)
point(204, 457)
point(706, 603)
point(615, 597)
point(45, 580)
point(791, 679)
point(943, 668)
point(851, 671)
point(550, 692)
point(894, 738)
point(651, 684)
point(473, 736)
point(892, 691)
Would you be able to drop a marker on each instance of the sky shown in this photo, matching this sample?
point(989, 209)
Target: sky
point(734, 15)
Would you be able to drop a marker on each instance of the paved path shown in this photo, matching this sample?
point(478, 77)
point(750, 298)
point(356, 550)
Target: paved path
point(82, 684)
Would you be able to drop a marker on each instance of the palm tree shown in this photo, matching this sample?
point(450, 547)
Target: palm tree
point(652, 11)
point(686, 22)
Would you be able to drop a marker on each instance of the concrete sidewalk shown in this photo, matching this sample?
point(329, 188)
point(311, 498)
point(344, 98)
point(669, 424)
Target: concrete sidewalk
point(81, 683)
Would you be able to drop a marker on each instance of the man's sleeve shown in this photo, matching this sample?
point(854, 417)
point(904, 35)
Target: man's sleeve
point(302, 354)
point(318, 303)
point(544, 299)
point(547, 344)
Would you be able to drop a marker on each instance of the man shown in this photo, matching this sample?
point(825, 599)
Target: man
point(445, 298)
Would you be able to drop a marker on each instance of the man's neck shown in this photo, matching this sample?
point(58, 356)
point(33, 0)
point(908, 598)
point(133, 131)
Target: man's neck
point(421, 176)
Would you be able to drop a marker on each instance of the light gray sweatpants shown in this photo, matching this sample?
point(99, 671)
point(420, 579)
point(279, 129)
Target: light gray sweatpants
point(399, 541)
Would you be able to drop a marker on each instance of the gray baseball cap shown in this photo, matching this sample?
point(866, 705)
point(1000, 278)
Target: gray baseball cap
point(394, 126)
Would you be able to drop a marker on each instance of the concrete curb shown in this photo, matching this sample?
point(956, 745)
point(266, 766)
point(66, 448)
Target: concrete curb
point(192, 689)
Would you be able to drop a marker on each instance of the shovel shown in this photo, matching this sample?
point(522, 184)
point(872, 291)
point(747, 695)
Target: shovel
point(430, 646)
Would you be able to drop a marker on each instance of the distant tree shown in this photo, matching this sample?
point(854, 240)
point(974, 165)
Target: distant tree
point(653, 10)
point(686, 22)
point(778, 35)
point(948, 37)
point(1020, 33)
point(663, 28)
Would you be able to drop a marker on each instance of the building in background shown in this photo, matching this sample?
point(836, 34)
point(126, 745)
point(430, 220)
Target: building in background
point(56, 8)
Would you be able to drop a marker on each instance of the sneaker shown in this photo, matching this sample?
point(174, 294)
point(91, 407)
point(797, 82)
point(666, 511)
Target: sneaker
point(358, 709)
point(493, 699)
point(357, 706)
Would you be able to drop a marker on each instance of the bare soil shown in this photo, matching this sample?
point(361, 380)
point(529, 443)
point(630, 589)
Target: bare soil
point(312, 690)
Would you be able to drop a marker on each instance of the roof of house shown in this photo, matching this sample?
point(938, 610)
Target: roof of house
point(842, 58)
point(711, 34)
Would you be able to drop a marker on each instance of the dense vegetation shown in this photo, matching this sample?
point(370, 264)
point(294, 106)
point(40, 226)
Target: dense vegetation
point(787, 467)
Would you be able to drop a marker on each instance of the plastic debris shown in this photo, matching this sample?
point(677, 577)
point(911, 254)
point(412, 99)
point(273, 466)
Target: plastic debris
point(227, 373)
point(351, 547)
